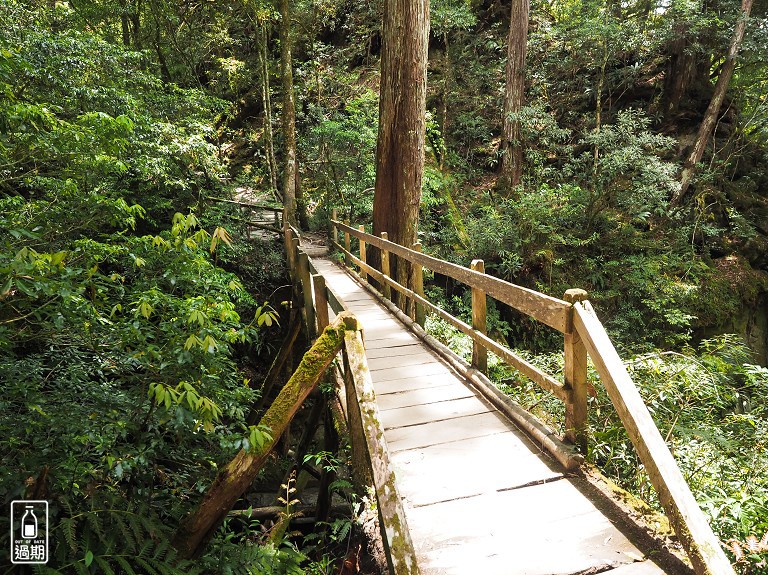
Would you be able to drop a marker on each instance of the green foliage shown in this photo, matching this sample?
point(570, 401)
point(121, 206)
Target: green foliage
point(94, 126)
point(113, 539)
point(343, 143)
point(710, 406)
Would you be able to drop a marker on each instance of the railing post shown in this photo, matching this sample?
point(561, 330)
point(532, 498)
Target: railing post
point(321, 302)
point(306, 289)
point(363, 275)
point(575, 375)
point(347, 261)
point(385, 289)
point(294, 250)
point(290, 252)
point(417, 273)
point(335, 217)
point(479, 320)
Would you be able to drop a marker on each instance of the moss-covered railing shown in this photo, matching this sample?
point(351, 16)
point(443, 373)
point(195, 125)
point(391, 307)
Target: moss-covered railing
point(370, 454)
point(584, 335)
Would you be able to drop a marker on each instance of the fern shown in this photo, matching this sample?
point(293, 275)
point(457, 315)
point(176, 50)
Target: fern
point(118, 538)
point(104, 565)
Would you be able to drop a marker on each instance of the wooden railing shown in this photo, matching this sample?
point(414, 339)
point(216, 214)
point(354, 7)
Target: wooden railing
point(584, 335)
point(247, 209)
point(370, 455)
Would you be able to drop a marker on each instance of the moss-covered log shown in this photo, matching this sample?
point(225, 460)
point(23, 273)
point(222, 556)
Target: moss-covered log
point(234, 479)
point(397, 537)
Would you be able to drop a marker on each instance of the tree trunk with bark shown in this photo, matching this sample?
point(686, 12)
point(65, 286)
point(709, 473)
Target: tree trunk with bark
point(402, 123)
point(289, 115)
point(707, 127)
point(514, 95)
point(266, 100)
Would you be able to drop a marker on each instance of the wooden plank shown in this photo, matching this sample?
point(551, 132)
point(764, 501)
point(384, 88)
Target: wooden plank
point(687, 519)
point(396, 338)
point(321, 301)
point(400, 349)
point(385, 269)
point(446, 431)
point(398, 360)
point(361, 227)
point(475, 466)
point(346, 245)
point(306, 289)
point(562, 533)
point(419, 314)
point(411, 397)
point(412, 372)
point(367, 313)
point(438, 411)
point(547, 309)
point(409, 384)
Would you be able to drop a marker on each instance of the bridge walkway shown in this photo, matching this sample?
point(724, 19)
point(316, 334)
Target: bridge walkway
point(479, 496)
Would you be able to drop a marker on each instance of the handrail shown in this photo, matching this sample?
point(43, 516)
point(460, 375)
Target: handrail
point(277, 215)
point(552, 311)
point(687, 519)
point(584, 334)
point(369, 448)
point(547, 309)
point(267, 207)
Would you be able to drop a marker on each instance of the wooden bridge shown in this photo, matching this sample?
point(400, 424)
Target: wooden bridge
point(466, 481)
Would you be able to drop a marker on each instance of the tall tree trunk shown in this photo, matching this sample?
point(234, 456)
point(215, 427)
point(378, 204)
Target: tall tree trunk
point(447, 77)
point(599, 105)
point(289, 115)
point(126, 28)
point(707, 127)
point(514, 95)
point(402, 124)
point(682, 69)
point(135, 15)
point(266, 101)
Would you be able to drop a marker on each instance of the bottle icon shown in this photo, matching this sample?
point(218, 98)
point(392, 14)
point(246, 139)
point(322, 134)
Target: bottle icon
point(29, 524)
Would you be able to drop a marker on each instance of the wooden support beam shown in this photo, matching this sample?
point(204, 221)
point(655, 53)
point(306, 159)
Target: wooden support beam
point(684, 513)
point(417, 272)
point(294, 328)
point(363, 275)
point(385, 267)
point(575, 377)
point(306, 290)
point(321, 301)
point(334, 217)
point(288, 236)
point(347, 244)
point(294, 260)
point(479, 320)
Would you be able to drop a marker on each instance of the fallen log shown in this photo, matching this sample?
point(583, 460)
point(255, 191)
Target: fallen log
point(233, 480)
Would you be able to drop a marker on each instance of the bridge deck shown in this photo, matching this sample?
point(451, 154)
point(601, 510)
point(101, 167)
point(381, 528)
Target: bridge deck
point(479, 497)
